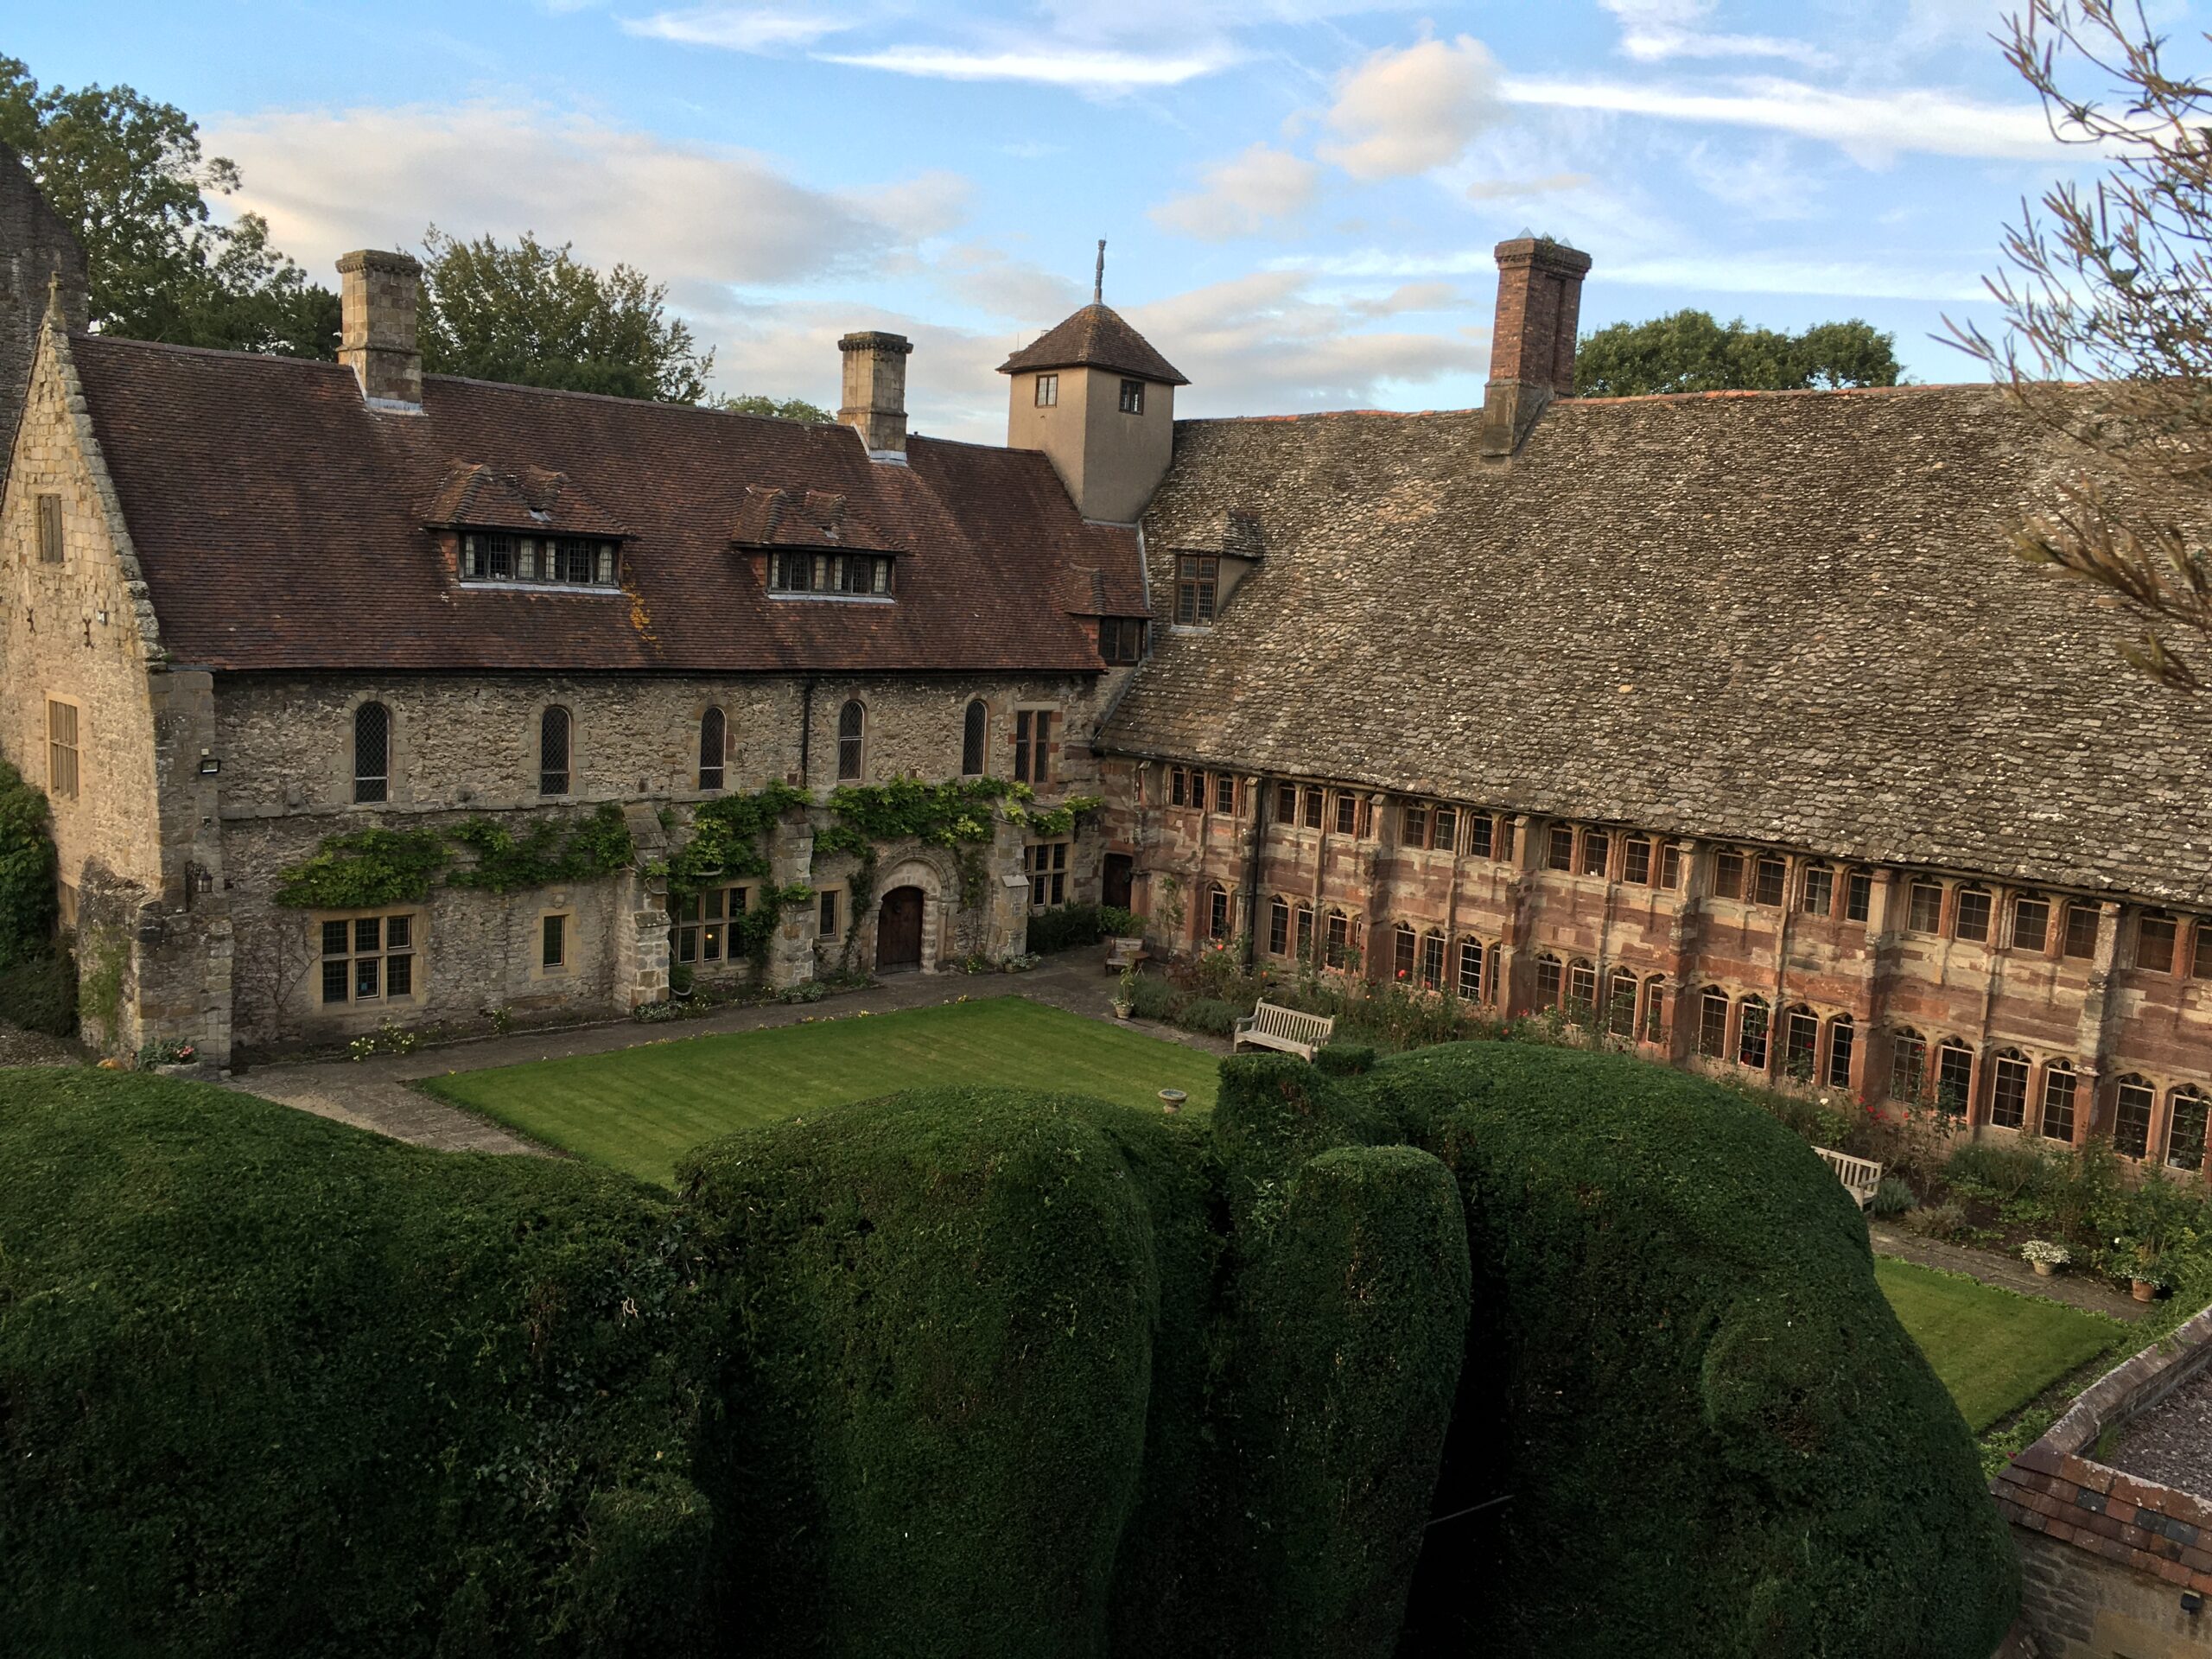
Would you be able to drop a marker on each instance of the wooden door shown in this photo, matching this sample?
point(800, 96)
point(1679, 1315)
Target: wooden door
point(1115, 889)
point(899, 932)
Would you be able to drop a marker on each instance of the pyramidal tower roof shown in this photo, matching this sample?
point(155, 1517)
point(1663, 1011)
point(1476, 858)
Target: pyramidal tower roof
point(1095, 338)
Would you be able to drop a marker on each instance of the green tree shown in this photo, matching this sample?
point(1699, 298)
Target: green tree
point(129, 174)
point(534, 315)
point(789, 409)
point(1690, 351)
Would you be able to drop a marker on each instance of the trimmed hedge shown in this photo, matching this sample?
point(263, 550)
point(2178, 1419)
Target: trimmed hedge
point(269, 1384)
point(1715, 1435)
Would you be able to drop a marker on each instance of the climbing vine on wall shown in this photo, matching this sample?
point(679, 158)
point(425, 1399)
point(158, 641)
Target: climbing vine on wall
point(366, 869)
point(552, 851)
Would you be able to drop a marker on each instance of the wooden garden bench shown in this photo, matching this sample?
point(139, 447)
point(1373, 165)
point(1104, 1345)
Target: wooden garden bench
point(1859, 1176)
point(1123, 954)
point(1269, 1027)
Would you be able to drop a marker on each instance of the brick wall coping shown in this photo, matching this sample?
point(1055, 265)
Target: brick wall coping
point(2054, 1488)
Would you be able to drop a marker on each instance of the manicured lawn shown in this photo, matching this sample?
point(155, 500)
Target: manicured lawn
point(1993, 1350)
point(639, 1108)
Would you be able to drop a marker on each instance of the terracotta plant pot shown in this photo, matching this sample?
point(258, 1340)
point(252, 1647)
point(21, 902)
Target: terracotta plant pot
point(2043, 1270)
point(2145, 1291)
point(1121, 1010)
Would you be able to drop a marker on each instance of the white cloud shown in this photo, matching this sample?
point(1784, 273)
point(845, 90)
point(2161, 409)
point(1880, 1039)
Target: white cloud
point(331, 181)
point(1653, 30)
point(1103, 70)
point(1545, 184)
point(1758, 178)
point(1871, 127)
point(1409, 297)
point(987, 277)
point(737, 29)
point(1406, 111)
point(1897, 278)
point(1242, 195)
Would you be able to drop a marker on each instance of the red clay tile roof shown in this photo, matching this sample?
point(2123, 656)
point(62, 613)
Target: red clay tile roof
point(773, 517)
point(1095, 338)
point(281, 524)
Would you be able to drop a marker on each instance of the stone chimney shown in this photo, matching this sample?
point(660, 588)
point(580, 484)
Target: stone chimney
point(38, 251)
point(376, 300)
point(875, 390)
point(1532, 344)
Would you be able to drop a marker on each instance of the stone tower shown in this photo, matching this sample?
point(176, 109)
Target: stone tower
point(35, 248)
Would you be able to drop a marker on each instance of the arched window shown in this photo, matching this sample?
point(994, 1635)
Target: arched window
point(852, 736)
point(2008, 1089)
point(2130, 1116)
point(1217, 913)
point(372, 753)
point(714, 738)
point(1339, 939)
point(1908, 1065)
point(1548, 981)
point(1620, 1002)
point(1581, 990)
point(1432, 962)
point(1843, 1036)
point(2185, 1123)
point(1654, 1009)
point(553, 751)
point(1401, 953)
point(1278, 926)
point(1471, 979)
point(2060, 1084)
point(1751, 1033)
point(974, 730)
point(1800, 1042)
point(1305, 919)
point(1954, 1076)
point(1713, 1023)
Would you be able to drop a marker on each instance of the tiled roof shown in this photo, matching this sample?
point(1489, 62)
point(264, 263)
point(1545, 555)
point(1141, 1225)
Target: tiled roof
point(1789, 618)
point(531, 500)
point(281, 525)
point(1095, 338)
point(773, 517)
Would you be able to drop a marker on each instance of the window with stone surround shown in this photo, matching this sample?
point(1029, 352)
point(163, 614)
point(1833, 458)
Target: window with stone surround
point(1549, 982)
point(556, 929)
point(1908, 1065)
point(500, 557)
point(1310, 796)
point(1353, 813)
point(1032, 745)
point(1287, 804)
point(1670, 866)
point(1636, 860)
point(1224, 794)
point(1654, 1009)
point(2032, 923)
point(701, 925)
point(1817, 894)
point(1713, 1023)
point(1197, 576)
point(371, 958)
point(2082, 920)
point(1954, 1076)
point(796, 570)
point(1305, 939)
point(2186, 1128)
point(1444, 829)
point(1471, 970)
point(1046, 862)
point(1924, 907)
point(553, 751)
point(1413, 824)
point(60, 749)
point(852, 742)
point(1859, 896)
point(1558, 847)
point(1727, 876)
point(51, 549)
point(1339, 939)
point(1432, 962)
point(1842, 1038)
point(1278, 927)
point(974, 739)
point(830, 913)
point(713, 743)
point(1401, 952)
point(372, 753)
point(1217, 913)
point(1751, 1025)
point(1480, 837)
point(2200, 958)
point(2154, 942)
point(2008, 1089)
point(2060, 1086)
point(1620, 1002)
point(1801, 1043)
point(1581, 990)
point(1970, 916)
point(1769, 876)
point(1597, 852)
point(2130, 1116)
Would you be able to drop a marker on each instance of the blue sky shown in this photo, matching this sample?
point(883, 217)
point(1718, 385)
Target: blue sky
point(1299, 197)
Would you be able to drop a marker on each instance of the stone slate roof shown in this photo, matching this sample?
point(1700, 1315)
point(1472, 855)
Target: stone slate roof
point(281, 524)
point(533, 501)
point(1790, 618)
point(1095, 338)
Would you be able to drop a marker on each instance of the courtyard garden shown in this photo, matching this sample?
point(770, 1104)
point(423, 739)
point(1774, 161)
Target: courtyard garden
point(639, 1109)
point(1994, 1350)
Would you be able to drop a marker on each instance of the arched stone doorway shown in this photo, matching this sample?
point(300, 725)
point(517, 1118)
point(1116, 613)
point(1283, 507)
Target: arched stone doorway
point(899, 930)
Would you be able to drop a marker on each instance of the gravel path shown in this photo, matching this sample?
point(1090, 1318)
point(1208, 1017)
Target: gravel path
point(2171, 1443)
point(21, 1047)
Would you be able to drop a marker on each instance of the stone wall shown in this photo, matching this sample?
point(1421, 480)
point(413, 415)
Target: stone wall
point(2098, 1013)
point(35, 248)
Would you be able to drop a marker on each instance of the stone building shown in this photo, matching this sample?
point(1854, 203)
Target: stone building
point(1725, 723)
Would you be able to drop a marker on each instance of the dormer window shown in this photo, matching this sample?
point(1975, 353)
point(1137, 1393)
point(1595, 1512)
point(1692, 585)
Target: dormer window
point(804, 570)
point(1132, 396)
point(504, 557)
point(1195, 578)
point(1121, 640)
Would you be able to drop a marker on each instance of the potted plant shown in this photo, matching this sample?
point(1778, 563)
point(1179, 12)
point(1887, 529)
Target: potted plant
point(1125, 994)
point(2045, 1257)
point(2151, 1276)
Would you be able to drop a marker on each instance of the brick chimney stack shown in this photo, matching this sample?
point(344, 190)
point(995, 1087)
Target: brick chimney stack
point(1532, 344)
point(875, 391)
point(377, 297)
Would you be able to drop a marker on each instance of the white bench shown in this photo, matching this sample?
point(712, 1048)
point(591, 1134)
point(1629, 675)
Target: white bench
point(1859, 1176)
point(1269, 1027)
